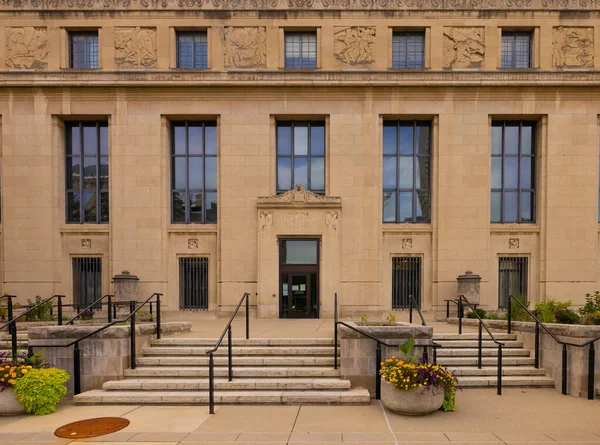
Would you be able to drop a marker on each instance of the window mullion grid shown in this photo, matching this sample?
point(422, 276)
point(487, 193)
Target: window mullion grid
point(292, 154)
point(81, 174)
point(97, 173)
point(397, 161)
point(187, 174)
point(309, 157)
point(502, 172)
point(519, 174)
point(203, 193)
point(514, 51)
point(414, 173)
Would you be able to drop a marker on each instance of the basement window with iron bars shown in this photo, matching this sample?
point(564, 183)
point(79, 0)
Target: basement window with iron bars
point(406, 281)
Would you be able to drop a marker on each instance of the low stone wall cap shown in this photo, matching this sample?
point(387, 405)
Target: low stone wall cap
point(469, 275)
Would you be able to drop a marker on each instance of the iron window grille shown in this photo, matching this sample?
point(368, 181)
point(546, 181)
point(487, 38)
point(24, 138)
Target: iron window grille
point(516, 49)
point(83, 49)
point(192, 50)
point(193, 283)
point(87, 281)
point(406, 281)
point(87, 152)
point(194, 172)
point(408, 49)
point(300, 49)
point(513, 172)
point(301, 155)
point(512, 279)
point(406, 172)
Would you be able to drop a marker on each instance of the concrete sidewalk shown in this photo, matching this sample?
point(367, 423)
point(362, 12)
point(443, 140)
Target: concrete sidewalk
point(518, 417)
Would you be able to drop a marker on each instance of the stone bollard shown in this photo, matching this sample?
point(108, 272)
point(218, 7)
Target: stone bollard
point(126, 289)
point(469, 285)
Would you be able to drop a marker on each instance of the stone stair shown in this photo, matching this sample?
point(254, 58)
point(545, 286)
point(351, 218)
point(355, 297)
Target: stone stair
point(459, 354)
point(265, 371)
point(6, 345)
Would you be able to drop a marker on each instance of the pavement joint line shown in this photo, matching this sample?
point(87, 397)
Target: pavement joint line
point(294, 425)
point(499, 438)
point(388, 422)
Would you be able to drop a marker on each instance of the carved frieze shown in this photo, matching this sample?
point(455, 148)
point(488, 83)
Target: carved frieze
point(298, 219)
point(245, 47)
point(299, 197)
point(464, 47)
point(354, 46)
point(331, 220)
point(27, 48)
point(265, 221)
point(135, 47)
point(572, 47)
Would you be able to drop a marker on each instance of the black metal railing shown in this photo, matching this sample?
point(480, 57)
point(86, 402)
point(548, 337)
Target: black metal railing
point(211, 364)
point(448, 307)
point(412, 304)
point(132, 337)
point(96, 305)
point(538, 324)
point(378, 343)
point(481, 325)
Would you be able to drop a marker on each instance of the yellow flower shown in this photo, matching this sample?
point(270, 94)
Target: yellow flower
point(11, 381)
point(24, 371)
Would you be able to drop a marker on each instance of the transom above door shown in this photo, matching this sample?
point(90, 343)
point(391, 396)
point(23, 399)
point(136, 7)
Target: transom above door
point(299, 278)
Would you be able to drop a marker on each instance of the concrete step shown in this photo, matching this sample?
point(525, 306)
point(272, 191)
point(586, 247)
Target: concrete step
point(473, 336)
point(485, 352)
point(237, 361)
point(522, 381)
point(225, 385)
point(248, 372)
point(493, 370)
point(488, 361)
point(210, 342)
point(474, 344)
point(237, 350)
point(351, 396)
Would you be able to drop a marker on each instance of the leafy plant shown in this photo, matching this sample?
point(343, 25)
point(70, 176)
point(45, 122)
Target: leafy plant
point(518, 312)
point(492, 316)
point(391, 318)
point(41, 313)
point(479, 311)
point(567, 316)
point(591, 318)
point(11, 369)
point(592, 304)
point(546, 310)
point(88, 314)
point(40, 390)
point(364, 318)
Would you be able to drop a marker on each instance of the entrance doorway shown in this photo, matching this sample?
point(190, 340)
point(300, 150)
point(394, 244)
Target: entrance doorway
point(299, 278)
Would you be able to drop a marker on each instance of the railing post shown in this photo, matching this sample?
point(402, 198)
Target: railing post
point(460, 303)
point(410, 308)
point(447, 309)
point(109, 305)
point(114, 311)
point(537, 346)
point(158, 325)
point(247, 316)
point(591, 371)
point(211, 384)
point(377, 375)
point(229, 353)
point(425, 354)
point(509, 315)
point(435, 355)
point(76, 369)
point(499, 379)
point(480, 345)
point(335, 332)
point(564, 369)
point(12, 328)
point(60, 310)
point(132, 333)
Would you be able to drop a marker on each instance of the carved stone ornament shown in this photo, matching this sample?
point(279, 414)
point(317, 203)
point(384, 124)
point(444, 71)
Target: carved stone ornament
point(265, 220)
point(135, 47)
point(354, 46)
point(407, 243)
point(298, 220)
point(299, 197)
point(245, 47)
point(513, 243)
point(192, 243)
point(86, 243)
point(331, 220)
point(573, 47)
point(27, 48)
point(464, 47)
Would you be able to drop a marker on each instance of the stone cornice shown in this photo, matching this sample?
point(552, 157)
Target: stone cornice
point(399, 5)
point(298, 78)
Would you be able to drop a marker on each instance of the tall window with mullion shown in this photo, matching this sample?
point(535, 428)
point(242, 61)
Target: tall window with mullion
point(301, 156)
point(194, 172)
point(408, 49)
point(301, 49)
point(87, 172)
point(192, 49)
point(83, 49)
point(513, 172)
point(516, 49)
point(406, 172)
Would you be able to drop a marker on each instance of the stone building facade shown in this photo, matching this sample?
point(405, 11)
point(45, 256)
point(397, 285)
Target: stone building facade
point(470, 96)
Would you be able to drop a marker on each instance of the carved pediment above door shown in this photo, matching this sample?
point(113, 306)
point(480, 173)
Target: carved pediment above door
point(299, 197)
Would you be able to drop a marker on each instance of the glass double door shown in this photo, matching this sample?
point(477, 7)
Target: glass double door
point(299, 280)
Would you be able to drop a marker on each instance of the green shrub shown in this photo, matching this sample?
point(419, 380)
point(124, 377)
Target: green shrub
point(40, 390)
point(567, 316)
point(591, 319)
point(364, 318)
point(87, 315)
point(492, 316)
point(518, 312)
point(42, 313)
point(391, 318)
point(479, 311)
point(592, 304)
point(546, 310)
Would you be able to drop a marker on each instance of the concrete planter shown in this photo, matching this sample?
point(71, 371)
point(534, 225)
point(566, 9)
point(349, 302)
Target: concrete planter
point(414, 402)
point(9, 405)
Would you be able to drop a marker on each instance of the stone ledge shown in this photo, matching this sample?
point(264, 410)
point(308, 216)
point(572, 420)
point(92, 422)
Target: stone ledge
point(74, 332)
point(398, 331)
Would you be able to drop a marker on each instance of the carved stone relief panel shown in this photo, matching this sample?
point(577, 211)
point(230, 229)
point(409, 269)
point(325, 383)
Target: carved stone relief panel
point(265, 221)
point(572, 47)
point(27, 48)
point(513, 243)
point(298, 220)
point(464, 47)
point(192, 243)
point(354, 46)
point(135, 47)
point(407, 243)
point(86, 243)
point(245, 47)
point(331, 220)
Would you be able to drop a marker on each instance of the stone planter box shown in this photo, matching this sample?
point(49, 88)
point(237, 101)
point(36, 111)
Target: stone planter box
point(9, 405)
point(358, 353)
point(414, 402)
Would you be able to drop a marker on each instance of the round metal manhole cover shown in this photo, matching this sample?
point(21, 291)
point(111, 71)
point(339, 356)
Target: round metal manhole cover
point(91, 427)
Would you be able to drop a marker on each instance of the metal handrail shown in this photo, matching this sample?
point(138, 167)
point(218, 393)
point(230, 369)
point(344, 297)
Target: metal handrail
point(94, 304)
point(379, 343)
point(538, 324)
point(461, 301)
point(413, 302)
point(211, 364)
point(132, 337)
point(448, 306)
